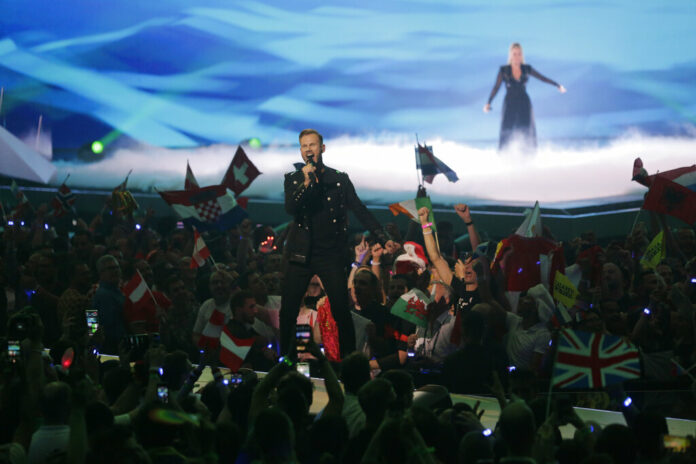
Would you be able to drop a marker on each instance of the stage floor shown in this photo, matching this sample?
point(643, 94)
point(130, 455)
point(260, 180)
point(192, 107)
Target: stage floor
point(678, 427)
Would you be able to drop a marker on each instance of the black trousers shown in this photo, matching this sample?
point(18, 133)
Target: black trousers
point(332, 272)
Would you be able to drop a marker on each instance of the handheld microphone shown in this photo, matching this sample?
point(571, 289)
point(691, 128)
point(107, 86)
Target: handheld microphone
point(312, 175)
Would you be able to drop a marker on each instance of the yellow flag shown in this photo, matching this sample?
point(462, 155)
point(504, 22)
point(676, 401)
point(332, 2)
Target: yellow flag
point(655, 252)
point(564, 291)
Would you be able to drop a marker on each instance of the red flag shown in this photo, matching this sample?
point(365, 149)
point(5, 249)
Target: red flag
point(233, 350)
point(243, 202)
point(241, 172)
point(190, 183)
point(201, 252)
point(529, 261)
point(136, 289)
point(668, 197)
point(63, 201)
point(210, 337)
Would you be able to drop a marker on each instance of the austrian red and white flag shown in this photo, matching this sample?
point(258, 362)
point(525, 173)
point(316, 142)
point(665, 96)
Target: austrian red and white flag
point(190, 183)
point(136, 289)
point(201, 252)
point(210, 337)
point(241, 172)
point(233, 350)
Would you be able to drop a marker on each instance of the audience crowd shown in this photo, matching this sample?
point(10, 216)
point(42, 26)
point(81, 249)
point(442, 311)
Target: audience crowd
point(96, 372)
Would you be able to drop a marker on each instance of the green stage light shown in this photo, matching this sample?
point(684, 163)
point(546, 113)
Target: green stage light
point(97, 147)
point(255, 142)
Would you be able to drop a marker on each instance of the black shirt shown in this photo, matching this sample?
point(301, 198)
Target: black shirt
point(465, 299)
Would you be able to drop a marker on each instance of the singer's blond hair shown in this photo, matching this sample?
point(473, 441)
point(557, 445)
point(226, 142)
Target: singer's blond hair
point(513, 46)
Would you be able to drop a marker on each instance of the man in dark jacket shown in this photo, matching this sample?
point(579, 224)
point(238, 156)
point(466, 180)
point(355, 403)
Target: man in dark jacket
point(319, 197)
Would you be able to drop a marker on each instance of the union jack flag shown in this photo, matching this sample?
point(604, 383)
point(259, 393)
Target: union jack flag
point(592, 360)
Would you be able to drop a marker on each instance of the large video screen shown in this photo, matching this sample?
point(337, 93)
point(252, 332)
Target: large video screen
point(179, 75)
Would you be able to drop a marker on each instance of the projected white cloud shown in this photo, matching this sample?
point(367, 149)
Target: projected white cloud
point(383, 170)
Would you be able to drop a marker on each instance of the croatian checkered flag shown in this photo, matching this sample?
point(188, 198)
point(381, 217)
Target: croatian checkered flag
point(207, 208)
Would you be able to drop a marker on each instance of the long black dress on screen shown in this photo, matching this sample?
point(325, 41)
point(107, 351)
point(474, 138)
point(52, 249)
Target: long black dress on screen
point(518, 118)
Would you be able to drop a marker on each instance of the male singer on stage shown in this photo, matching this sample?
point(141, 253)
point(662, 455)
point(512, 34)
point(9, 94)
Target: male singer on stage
point(319, 197)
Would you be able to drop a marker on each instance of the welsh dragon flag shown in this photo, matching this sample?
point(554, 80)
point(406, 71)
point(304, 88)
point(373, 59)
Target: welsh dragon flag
point(412, 307)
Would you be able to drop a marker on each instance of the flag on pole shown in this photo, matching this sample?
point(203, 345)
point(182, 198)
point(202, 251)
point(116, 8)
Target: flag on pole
point(593, 360)
point(531, 226)
point(564, 291)
point(240, 173)
point(655, 252)
point(21, 205)
point(190, 183)
point(201, 252)
point(120, 188)
point(207, 208)
point(685, 176)
point(210, 337)
point(431, 166)
point(63, 201)
point(528, 261)
point(411, 306)
point(669, 197)
point(410, 209)
point(136, 290)
point(233, 350)
point(407, 208)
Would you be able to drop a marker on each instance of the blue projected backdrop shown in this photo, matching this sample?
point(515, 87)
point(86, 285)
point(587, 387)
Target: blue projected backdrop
point(163, 82)
point(180, 73)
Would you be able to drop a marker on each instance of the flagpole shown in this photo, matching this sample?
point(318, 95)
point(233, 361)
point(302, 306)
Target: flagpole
point(148, 287)
point(66, 178)
point(420, 178)
point(635, 221)
point(548, 397)
point(125, 181)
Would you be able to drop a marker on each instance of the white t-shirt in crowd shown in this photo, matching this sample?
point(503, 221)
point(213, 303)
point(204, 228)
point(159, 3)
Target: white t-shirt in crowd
point(206, 310)
point(48, 440)
point(523, 344)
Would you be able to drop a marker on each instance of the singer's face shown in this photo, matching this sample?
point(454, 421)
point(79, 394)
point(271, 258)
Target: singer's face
point(310, 146)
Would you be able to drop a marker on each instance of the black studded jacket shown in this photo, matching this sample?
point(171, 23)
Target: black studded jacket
point(320, 213)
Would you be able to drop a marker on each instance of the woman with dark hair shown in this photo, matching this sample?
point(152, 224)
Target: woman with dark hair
point(518, 118)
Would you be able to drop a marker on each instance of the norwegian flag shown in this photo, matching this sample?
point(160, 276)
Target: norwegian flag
point(137, 290)
point(190, 183)
point(63, 201)
point(210, 337)
point(593, 360)
point(241, 172)
point(201, 252)
point(233, 350)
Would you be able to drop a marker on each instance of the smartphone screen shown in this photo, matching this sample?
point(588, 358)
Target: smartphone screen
point(92, 323)
point(163, 393)
point(303, 368)
point(302, 334)
point(13, 350)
